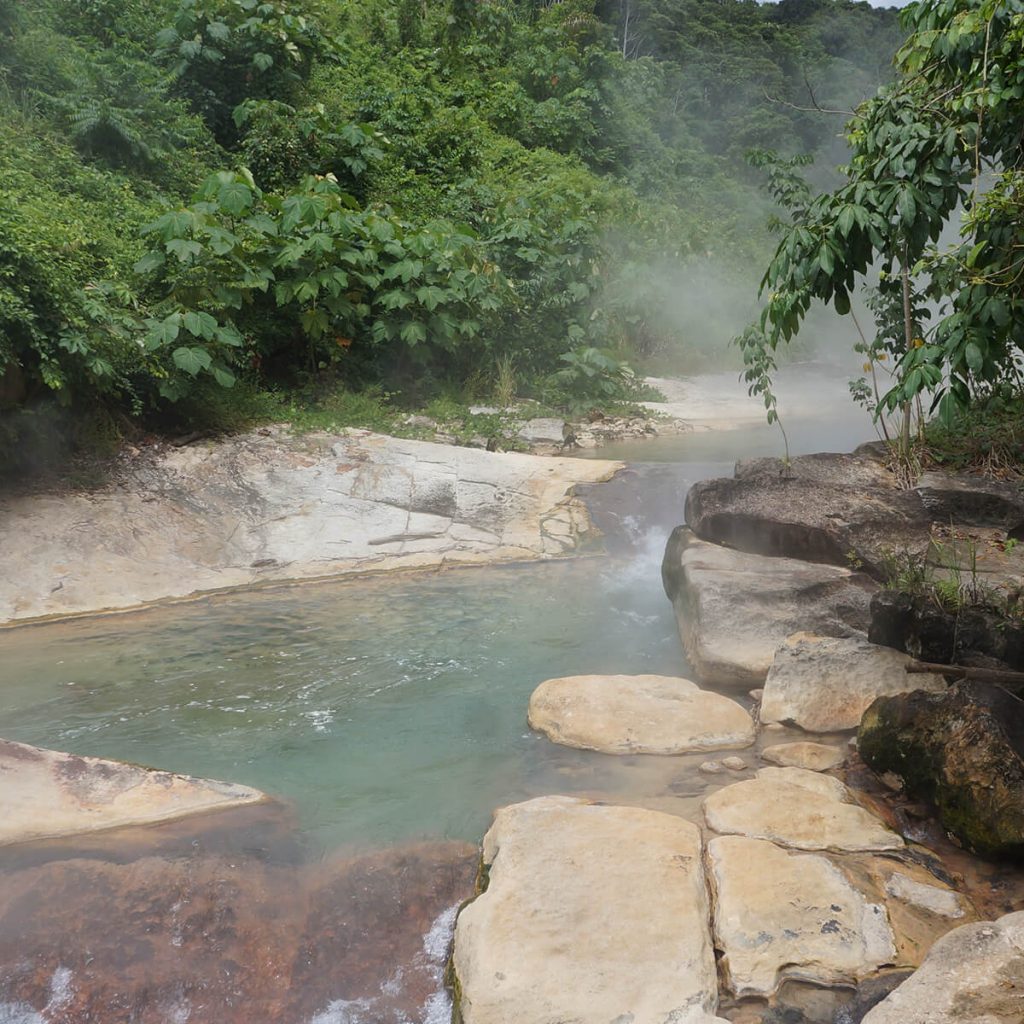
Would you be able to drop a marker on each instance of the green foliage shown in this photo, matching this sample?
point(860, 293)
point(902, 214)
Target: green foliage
point(348, 280)
point(593, 375)
point(953, 116)
point(223, 52)
point(467, 196)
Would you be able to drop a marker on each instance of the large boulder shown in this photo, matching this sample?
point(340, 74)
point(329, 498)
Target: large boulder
point(591, 913)
point(637, 715)
point(734, 608)
point(48, 794)
point(963, 750)
point(799, 809)
point(824, 684)
point(837, 509)
point(973, 975)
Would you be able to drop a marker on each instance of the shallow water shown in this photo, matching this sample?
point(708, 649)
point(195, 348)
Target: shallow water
point(381, 711)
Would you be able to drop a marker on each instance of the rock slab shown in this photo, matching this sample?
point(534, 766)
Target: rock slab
point(591, 913)
point(799, 809)
point(973, 975)
point(644, 714)
point(780, 915)
point(268, 506)
point(48, 794)
point(734, 609)
point(815, 757)
point(963, 750)
point(825, 684)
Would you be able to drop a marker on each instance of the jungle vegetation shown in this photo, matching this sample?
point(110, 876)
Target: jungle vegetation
point(205, 203)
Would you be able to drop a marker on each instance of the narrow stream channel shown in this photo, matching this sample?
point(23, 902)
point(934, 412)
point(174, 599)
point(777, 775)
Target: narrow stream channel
point(387, 715)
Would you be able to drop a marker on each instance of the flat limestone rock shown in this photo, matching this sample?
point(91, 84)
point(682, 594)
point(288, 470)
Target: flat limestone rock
point(48, 794)
point(781, 915)
point(735, 609)
point(591, 913)
point(269, 506)
point(825, 684)
point(815, 757)
point(799, 809)
point(637, 715)
point(973, 975)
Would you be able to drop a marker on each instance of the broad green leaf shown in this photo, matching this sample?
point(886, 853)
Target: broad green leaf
point(184, 248)
point(234, 198)
point(191, 359)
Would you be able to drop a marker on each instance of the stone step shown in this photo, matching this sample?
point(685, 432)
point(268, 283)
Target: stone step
point(590, 913)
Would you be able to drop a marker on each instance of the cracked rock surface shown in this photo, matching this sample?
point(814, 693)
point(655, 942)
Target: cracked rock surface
point(268, 506)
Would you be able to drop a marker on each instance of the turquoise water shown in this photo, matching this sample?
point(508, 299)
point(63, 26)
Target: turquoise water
point(390, 708)
point(385, 709)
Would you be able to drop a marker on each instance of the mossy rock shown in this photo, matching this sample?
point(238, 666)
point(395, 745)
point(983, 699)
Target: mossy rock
point(964, 751)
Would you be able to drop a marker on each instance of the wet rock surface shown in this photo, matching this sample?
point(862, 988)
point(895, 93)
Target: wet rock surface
point(218, 938)
point(48, 794)
point(590, 913)
point(824, 684)
point(637, 715)
point(734, 609)
point(974, 974)
point(271, 506)
point(963, 750)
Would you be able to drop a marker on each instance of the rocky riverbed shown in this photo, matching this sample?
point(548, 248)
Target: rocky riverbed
point(788, 887)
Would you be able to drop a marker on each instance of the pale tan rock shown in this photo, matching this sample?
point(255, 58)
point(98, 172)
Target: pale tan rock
point(734, 764)
point(637, 715)
point(47, 794)
point(273, 506)
point(783, 915)
point(816, 757)
point(973, 975)
point(711, 767)
point(823, 785)
point(799, 809)
point(591, 913)
point(937, 899)
point(825, 684)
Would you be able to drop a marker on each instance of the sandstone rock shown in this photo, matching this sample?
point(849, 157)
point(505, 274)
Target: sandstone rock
point(974, 975)
point(734, 609)
point(579, 924)
point(734, 764)
point(542, 431)
point(816, 757)
point(783, 915)
point(47, 794)
point(819, 508)
point(964, 751)
point(637, 715)
point(711, 767)
point(972, 499)
point(271, 506)
point(824, 684)
point(799, 809)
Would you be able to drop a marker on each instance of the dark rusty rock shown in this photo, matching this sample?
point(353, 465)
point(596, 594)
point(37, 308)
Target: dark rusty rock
point(918, 626)
point(963, 750)
point(226, 938)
